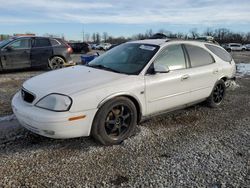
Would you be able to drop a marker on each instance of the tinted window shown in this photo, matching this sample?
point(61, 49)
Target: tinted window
point(235, 45)
point(42, 42)
point(198, 56)
point(54, 42)
point(172, 58)
point(20, 43)
point(221, 53)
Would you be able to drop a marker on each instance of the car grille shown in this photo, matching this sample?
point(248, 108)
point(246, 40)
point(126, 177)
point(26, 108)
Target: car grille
point(27, 96)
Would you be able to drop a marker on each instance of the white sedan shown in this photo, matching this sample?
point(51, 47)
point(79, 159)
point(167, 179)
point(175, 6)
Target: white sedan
point(108, 97)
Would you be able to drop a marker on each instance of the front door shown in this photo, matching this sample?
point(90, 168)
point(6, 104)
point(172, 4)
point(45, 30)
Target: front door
point(168, 90)
point(17, 54)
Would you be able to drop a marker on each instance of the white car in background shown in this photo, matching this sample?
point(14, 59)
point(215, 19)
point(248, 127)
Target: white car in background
point(103, 46)
point(235, 47)
point(108, 97)
point(247, 46)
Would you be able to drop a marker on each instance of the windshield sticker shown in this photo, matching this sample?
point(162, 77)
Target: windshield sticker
point(145, 47)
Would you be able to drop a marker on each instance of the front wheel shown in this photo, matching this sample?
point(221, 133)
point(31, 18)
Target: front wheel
point(217, 95)
point(115, 121)
point(56, 62)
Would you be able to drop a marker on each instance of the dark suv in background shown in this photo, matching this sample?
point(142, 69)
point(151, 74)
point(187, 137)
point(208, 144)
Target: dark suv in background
point(30, 52)
point(80, 47)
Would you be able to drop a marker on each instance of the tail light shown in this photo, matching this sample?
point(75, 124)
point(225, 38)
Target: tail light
point(69, 49)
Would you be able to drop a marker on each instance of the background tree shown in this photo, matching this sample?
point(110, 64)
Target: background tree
point(105, 36)
point(94, 37)
point(98, 37)
point(194, 33)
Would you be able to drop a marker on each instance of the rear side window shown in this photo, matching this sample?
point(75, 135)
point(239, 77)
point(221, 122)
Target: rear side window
point(198, 56)
point(221, 53)
point(42, 42)
point(54, 42)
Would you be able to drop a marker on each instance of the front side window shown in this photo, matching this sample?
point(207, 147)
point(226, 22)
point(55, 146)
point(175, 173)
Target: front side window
point(198, 56)
point(128, 58)
point(42, 42)
point(20, 44)
point(172, 58)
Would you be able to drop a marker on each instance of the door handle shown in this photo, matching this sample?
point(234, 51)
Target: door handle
point(185, 77)
point(215, 71)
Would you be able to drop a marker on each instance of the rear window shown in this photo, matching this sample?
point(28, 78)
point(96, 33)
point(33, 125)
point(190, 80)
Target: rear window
point(221, 53)
point(42, 42)
point(198, 56)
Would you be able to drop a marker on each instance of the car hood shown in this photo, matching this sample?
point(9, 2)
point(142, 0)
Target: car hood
point(70, 80)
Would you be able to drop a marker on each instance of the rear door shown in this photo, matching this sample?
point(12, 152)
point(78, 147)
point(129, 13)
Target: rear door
point(203, 72)
point(17, 54)
point(41, 52)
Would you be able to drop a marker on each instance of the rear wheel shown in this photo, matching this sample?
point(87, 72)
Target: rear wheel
point(56, 62)
point(217, 95)
point(115, 121)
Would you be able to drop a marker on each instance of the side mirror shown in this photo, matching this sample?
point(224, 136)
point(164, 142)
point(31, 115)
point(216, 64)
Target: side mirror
point(160, 68)
point(8, 48)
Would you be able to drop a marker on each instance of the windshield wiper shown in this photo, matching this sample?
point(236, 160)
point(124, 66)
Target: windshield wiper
point(104, 68)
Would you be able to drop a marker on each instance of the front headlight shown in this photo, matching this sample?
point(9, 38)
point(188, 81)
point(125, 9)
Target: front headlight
point(55, 102)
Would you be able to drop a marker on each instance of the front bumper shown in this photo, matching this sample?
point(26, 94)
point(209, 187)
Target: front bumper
point(51, 124)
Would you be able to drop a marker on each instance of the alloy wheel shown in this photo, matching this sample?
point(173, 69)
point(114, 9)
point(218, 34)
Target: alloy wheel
point(218, 93)
point(118, 121)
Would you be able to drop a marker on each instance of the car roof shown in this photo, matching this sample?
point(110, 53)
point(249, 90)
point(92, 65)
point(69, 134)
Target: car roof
point(234, 43)
point(151, 41)
point(163, 42)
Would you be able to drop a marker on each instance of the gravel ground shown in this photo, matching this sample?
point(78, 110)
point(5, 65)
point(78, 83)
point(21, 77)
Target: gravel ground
point(194, 147)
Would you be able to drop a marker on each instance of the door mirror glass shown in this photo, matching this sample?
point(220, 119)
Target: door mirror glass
point(158, 68)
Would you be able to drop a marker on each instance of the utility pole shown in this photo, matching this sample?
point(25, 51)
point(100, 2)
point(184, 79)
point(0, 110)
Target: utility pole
point(82, 32)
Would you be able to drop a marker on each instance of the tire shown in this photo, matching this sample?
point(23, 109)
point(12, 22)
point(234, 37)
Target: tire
point(56, 62)
point(115, 121)
point(218, 94)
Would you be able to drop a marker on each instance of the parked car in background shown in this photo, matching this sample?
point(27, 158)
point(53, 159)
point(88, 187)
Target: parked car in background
point(247, 46)
point(29, 52)
point(207, 39)
point(93, 46)
point(103, 46)
point(109, 96)
point(80, 47)
point(235, 47)
point(158, 36)
point(113, 45)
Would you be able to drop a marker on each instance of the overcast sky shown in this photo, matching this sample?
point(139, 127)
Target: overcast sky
point(121, 17)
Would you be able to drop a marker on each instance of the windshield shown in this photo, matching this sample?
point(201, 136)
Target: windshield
point(4, 42)
point(128, 58)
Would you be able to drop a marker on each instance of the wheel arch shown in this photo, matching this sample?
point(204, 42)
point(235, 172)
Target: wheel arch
point(131, 97)
point(224, 78)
